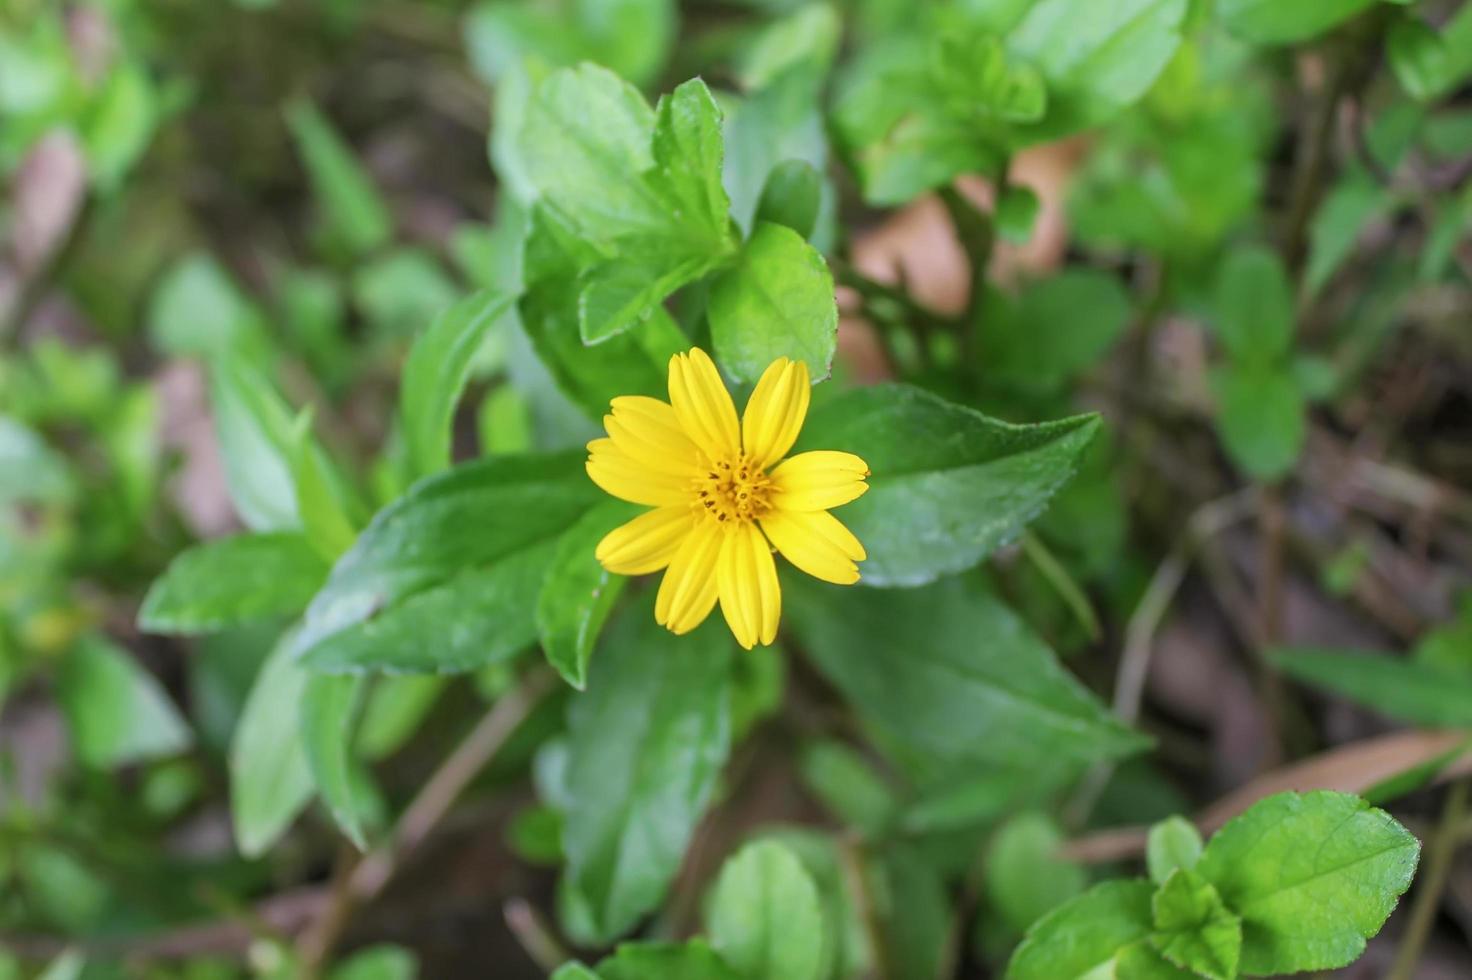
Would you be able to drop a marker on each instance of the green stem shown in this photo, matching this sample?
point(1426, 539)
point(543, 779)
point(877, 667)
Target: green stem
point(1063, 583)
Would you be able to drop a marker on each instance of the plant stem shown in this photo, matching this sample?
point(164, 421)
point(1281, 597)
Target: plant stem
point(1063, 583)
point(1428, 893)
point(977, 233)
point(364, 881)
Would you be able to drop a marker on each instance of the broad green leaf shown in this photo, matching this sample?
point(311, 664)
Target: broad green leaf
point(198, 310)
point(329, 711)
point(1276, 22)
point(665, 961)
point(1413, 691)
point(1312, 876)
point(1336, 227)
point(1253, 310)
point(436, 373)
point(953, 676)
point(1053, 329)
point(765, 918)
point(848, 786)
point(1193, 929)
point(688, 154)
point(233, 581)
point(948, 485)
point(476, 617)
point(646, 742)
point(30, 470)
point(354, 214)
point(579, 593)
point(116, 711)
point(1095, 59)
point(776, 302)
point(791, 196)
point(1025, 878)
point(255, 429)
point(1086, 935)
point(846, 932)
point(1262, 418)
point(378, 963)
point(270, 778)
point(1174, 843)
point(457, 523)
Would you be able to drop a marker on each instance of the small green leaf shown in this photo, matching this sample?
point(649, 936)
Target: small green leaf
point(1262, 418)
point(1312, 877)
point(646, 742)
point(1174, 843)
point(1025, 878)
point(1017, 213)
point(1276, 22)
point(353, 212)
point(270, 778)
point(394, 711)
point(329, 711)
point(847, 785)
point(1054, 328)
point(791, 196)
point(776, 302)
point(1418, 56)
point(436, 373)
point(765, 918)
point(915, 911)
point(30, 470)
point(1193, 929)
point(1420, 693)
point(908, 661)
point(117, 712)
point(322, 497)
point(535, 835)
point(402, 291)
point(1075, 940)
point(948, 485)
point(378, 963)
point(665, 961)
point(574, 971)
point(1254, 306)
point(1350, 206)
point(579, 593)
point(231, 582)
point(255, 429)
point(198, 310)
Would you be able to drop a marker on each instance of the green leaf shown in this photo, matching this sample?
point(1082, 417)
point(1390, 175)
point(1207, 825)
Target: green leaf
point(948, 485)
point(1025, 879)
point(30, 470)
point(574, 971)
point(1262, 418)
point(1075, 940)
point(781, 122)
point(915, 911)
point(394, 712)
point(807, 38)
point(665, 961)
point(1350, 206)
point(354, 214)
point(908, 660)
point(1053, 329)
point(231, 582)
point(1275, 22)
point(198, 310)
point(1418, 57)
point(255, 429)
point(1426, 694)
point(322, 497)
point(535, 835)
point(378, 963)
point(765, 918)
point(792, 195)
point(1095, 59)
point(1254, 306)
point(119, 124)
point(579, 593)
point(1193, 929)
point(116, 711)
point(646, 742)
point(688, 154)
point(1142, 961)
point(402, 291)
point(436, 373)
point(1312, 876)
point(847, 785)
point(776, 302)
point(270, 778)
point(1174, 843)
point(479, 526)
point(329, 711)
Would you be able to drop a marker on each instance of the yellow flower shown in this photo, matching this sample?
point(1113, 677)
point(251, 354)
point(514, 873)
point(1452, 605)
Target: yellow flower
point(718, 499)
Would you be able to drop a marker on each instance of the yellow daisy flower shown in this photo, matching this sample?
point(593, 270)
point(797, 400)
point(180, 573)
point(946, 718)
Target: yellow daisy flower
point(720, 504)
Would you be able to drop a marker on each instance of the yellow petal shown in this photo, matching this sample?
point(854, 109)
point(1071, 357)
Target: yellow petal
point(776, 410)
point(819, 480)
point(702, 404)
point(649, 432)
point(751, 599)
point(687, 593)
point(817, 543)
point(613, 470)
point(647, 543)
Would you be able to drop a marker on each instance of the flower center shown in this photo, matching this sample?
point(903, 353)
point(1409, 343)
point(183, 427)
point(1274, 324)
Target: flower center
point(733, 489)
